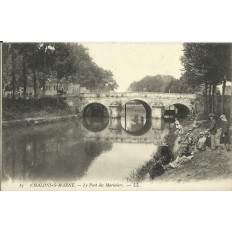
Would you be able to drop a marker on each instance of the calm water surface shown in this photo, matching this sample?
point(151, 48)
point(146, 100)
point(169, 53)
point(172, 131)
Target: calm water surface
point(87, 149)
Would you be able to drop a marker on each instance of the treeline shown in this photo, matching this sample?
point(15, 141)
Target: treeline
point(208, 65)
point(160, 83)
point(33, 64)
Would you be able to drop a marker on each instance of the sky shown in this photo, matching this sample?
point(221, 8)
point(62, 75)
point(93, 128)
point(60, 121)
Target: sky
point(132, 61)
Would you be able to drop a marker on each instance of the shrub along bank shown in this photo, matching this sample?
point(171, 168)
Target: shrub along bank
point(20, 109)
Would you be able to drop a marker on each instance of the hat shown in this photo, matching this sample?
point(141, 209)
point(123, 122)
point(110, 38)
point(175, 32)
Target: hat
point(211, 115)
point(201, 133)
point(222, 116)
point(190, 129)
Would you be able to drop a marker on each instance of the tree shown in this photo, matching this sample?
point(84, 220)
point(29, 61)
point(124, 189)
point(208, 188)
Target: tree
point(6, 65)
point(35, 63)
point(158, 83)
point(12, 50)
point(205, 63)
point(23, 50)
point(73, 64)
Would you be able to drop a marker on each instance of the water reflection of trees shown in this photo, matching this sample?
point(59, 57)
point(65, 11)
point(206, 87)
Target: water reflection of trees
point(49, 153)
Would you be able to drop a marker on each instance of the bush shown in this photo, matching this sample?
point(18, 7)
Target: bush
point(48, 104)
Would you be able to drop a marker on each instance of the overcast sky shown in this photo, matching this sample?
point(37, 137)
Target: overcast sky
point(132, 61)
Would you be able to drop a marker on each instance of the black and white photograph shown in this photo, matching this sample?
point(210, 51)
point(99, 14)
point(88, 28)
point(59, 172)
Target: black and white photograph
point(116, 116)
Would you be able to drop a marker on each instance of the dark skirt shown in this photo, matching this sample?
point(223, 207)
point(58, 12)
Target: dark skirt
point(208, 141)
point(225, 139)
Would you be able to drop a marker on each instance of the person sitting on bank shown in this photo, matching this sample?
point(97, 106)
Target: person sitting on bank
point(208, 139)
point(176, 121)
point(201, 142)
point(178, 129)
point(225, 133)
point(164, 154)
point(194, 122)
point(189, 138)
point(213, 130)
point(183, 157)
point(157, 168)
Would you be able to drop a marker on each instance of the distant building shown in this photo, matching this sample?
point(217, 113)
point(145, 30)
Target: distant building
point(51, 89)
point(29, 92)
point(63, 88)
point(84, 90)
point(8, 93)
point(19, 93)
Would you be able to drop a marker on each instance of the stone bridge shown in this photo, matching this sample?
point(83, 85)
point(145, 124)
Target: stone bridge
point(155, 104)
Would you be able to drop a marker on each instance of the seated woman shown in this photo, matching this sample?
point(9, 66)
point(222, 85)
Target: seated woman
point(201, 142)
point(157, 168)
point(182, 158)
point(189, 138)
point(178, 128)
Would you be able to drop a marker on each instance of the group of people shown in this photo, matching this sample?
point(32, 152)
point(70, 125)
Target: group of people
point(208, 137)
point(225, 132)
point(192, 143)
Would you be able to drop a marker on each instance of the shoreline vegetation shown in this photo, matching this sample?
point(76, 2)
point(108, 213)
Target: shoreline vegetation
point(31, 112)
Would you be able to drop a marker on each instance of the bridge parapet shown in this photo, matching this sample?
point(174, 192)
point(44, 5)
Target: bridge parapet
point(138, 94)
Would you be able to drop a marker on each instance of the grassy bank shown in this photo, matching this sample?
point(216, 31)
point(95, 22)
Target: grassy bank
point(21, 109)
point(205, 165)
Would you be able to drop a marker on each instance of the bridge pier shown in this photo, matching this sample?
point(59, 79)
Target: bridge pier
point(157, 124)
point(115, 111)
point(158, 111)
point(115, 125)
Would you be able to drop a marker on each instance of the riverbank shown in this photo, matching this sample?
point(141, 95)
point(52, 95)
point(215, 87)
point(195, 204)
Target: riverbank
point(19, 109)
point(37, 121)
point(31, 112)
point(205, 165)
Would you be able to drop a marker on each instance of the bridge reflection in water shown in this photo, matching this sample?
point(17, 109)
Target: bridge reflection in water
point(93, 148)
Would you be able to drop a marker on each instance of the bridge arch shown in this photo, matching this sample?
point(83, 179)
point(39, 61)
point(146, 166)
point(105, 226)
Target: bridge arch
point(146, 106)
point(95, 109)
point(177, 109)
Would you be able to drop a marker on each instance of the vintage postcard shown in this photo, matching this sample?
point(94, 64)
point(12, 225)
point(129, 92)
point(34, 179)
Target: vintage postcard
point(116, 116)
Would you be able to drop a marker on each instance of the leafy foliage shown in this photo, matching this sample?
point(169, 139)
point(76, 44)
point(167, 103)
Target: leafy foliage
point(208, 64)
point(27, 64)
point(205, 62)
point(158, 83)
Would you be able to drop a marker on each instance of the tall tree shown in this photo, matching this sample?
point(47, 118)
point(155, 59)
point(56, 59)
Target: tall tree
point(205, 63)
point(33, 63)
point(13, 55)
point(6, 65)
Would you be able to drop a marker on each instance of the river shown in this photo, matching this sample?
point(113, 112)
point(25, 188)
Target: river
point(87, 149)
